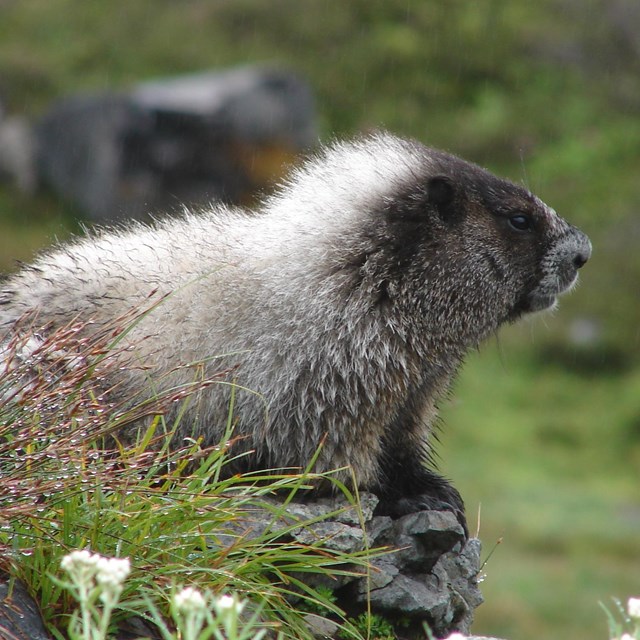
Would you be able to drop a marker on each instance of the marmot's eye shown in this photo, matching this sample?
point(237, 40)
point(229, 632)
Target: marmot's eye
point(521, 222)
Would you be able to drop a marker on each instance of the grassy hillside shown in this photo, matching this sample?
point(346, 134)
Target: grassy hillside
point(550, 458)
point(544, 433)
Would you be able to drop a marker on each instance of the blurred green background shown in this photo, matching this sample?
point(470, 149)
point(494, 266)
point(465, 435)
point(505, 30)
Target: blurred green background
point(542, 432)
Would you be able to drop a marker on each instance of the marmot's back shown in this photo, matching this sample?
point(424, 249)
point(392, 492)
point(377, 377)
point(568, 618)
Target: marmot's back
point(346, 303)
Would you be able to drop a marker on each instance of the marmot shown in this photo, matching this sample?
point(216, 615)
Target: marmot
point(345, 303)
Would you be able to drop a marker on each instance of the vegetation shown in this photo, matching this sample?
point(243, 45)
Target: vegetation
point(543, 430)
point(68, 485)
point(624, 622)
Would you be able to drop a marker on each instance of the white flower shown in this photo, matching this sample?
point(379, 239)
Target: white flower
point(88, 568)
point(626, 636)
point(226, 605)
point(80, 557)
point(225, 602)
point(112, 572)
point(188, 600)
point(633, 608)
point(81, 566)
point(456, 636)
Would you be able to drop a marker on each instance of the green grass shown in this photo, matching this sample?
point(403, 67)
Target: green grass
point(552, 459)
point(66, 483)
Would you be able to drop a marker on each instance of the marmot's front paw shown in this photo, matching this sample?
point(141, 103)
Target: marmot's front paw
point(439, 495)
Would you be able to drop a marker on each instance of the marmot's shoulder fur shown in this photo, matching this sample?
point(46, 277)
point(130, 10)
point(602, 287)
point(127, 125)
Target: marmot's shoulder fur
point(347, 302)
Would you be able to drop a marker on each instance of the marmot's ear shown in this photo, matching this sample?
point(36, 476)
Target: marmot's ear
point(440, 191)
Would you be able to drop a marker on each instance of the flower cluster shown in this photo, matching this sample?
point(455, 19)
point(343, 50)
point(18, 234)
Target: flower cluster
point(94, 578)
point(228, 606)
point(633, 611)
point(196, 613)
point(189, 600)
point(96, 582)
point(83, 566)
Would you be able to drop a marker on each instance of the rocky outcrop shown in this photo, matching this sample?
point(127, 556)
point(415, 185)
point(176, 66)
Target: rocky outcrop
point(429, 573)
point(426, 574)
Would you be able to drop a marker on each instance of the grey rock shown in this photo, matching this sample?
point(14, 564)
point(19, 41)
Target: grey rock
point(412, 596)
point(19, 614)
point(424, 582)
point(258, 102)
point(338, 508)
point(439, 528)
point(18, 153)
point(429, 573)
point(349, 513)
point(383, 571)
point(86, 154)
point(321, 627)
point(174, 142)
point(462, 572)
point(331, 535)
point(380, 531)
point(424, 536)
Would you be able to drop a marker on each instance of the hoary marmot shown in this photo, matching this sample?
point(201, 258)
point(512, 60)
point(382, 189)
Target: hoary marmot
point(346, 303)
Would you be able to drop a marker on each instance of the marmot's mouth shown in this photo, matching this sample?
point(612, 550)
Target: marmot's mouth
point(539, 303)
point(545, 295)
point(559, 271)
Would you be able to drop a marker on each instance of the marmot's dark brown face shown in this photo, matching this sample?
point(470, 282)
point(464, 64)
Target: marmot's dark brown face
point(533, 237)
point(487, 250)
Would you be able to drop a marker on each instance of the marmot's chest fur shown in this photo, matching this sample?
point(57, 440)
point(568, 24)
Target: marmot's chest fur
point(347, 304)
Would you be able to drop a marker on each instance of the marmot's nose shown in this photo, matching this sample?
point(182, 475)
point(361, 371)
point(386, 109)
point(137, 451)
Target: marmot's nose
point(583, 250)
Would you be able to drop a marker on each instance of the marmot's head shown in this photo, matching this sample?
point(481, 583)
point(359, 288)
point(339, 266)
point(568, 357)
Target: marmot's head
point(442, 239)
point(501, 229)
point(495, 250)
